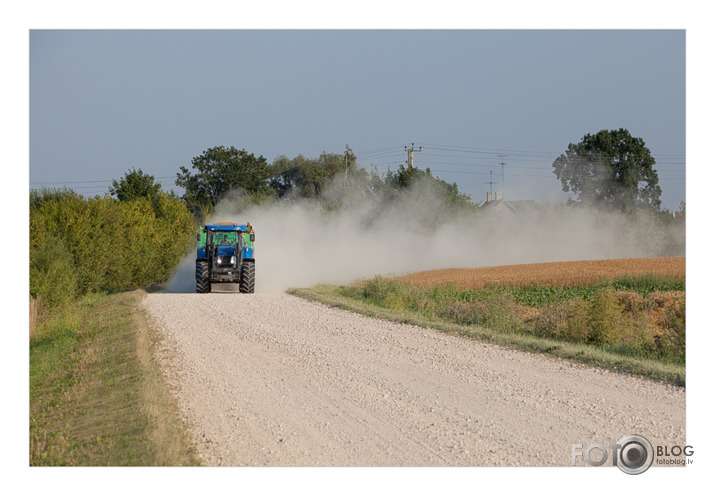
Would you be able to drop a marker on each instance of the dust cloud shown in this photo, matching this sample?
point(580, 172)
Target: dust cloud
point(347, 235)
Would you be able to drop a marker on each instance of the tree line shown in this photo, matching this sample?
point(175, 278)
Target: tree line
point(220, 170)
point(609, 170)
point(137, 233)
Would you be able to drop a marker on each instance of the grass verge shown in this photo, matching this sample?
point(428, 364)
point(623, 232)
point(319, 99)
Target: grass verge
point(97, 395)
point(671, 373)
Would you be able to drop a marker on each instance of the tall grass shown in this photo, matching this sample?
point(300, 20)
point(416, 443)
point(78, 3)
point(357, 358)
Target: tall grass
point(97, 397)
point(633, 316)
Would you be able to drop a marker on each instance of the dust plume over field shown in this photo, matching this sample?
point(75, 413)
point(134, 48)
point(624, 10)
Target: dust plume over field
point(346, 235)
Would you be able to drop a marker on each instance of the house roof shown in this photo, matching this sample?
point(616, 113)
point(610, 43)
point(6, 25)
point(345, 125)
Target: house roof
point(499, 204)
point(511, 206)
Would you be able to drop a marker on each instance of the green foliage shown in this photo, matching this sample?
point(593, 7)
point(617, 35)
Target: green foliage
point(79, 246)
point(334, 181)
point(538, 296)
point(53, 280)
point(410, 177)
point(611, 170)
point(646, 284)
point(134, 185)
point(43, 195)
point(577, 323)
point(220, 170)
point(302, 177)
point(672, 343)
point(604, 317)
point(379, 288)
point(612, 315)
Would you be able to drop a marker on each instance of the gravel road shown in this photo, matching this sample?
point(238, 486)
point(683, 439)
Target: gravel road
point(272, 380)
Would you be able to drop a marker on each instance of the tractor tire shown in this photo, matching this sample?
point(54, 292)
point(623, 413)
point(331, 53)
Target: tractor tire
point(248, 277)
point(203, 283)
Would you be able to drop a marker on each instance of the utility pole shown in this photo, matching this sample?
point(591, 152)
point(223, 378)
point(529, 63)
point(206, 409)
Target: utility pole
point(491, 192)
point(503, 192)
point(411, 155)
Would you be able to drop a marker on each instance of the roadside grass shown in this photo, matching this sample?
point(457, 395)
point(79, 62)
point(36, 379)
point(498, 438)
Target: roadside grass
point(491, 317)
point(97, 395)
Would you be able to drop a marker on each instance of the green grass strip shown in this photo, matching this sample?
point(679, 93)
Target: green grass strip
point(97, 396)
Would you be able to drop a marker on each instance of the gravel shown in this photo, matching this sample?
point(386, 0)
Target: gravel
point(269, 379)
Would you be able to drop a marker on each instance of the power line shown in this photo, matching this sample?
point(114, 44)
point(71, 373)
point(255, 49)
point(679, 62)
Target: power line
point(488, 151)
point(665, 165)
point(496, 151)
point(389, 155)
point(487, 173)
point(363, 152)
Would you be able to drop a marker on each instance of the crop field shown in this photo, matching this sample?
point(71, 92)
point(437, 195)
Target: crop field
point(557, 274)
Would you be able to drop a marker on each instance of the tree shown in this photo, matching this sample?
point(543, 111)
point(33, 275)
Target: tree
point(220, 170)
point(135, 184)
point(307, 178)
point(611, 170)
point(408, 177)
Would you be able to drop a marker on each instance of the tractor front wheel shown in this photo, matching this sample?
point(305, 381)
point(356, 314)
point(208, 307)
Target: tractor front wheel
point(248, 276)
point(203, 283)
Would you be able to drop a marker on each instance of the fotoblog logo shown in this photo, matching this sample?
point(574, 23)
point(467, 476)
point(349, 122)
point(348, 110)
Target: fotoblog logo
point(633, 454)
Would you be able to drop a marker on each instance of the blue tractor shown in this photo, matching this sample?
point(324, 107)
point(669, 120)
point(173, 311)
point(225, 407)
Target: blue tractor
point(225, 255)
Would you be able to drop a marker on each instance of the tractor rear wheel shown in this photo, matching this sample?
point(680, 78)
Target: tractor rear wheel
point(248, 277)
point(203, 283)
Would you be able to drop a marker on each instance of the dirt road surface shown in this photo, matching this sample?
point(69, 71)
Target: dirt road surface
point(272, 380)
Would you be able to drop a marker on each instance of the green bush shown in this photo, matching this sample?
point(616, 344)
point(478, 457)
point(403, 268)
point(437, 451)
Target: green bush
point(577, 327)
point(501, 313)
point(605, 317)
point(79, 246)
point(552, 321)
point(646, 320)
point(671, 344)
point(52, 272)
point(461, 312)
point(379, 289)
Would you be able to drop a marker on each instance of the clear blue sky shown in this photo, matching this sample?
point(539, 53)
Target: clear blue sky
point(102, 102)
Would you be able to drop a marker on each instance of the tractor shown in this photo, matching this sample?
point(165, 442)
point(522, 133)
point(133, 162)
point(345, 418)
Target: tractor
point(225, 255)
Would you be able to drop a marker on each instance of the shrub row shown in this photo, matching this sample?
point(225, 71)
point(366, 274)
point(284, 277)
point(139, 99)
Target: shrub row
point(79, 245)
point(652, 325)
point(647, 320)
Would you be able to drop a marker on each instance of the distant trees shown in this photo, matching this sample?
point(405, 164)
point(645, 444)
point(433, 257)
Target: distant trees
point(219, 170)
point(611, 170)
point(308, 177)
point(333, 179)
point(133, 185)
point(449, 194)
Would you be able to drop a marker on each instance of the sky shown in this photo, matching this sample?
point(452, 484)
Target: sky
point(105, 101)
